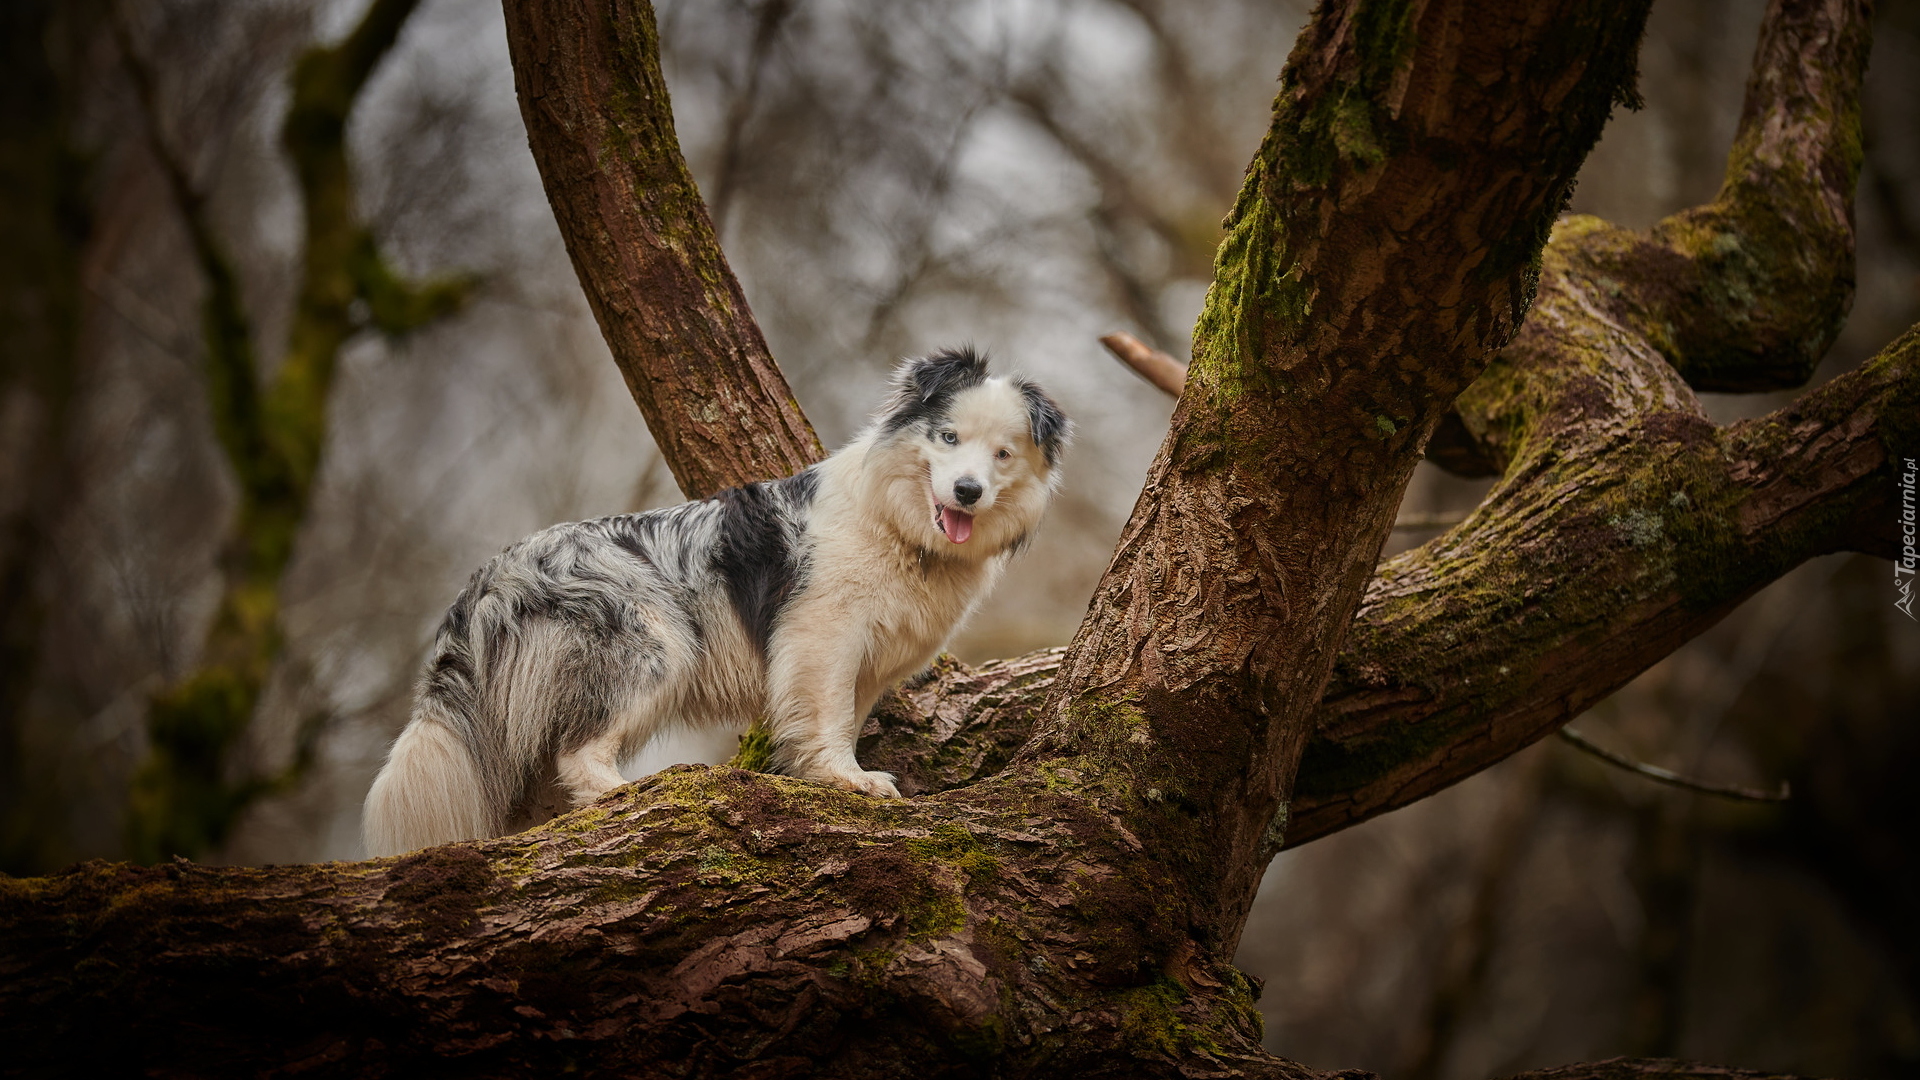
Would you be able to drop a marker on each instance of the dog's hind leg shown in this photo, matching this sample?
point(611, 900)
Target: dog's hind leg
point(590, 771)
point(590, 768)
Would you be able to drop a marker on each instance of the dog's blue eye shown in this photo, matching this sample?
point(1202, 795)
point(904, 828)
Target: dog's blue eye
point(950, 437)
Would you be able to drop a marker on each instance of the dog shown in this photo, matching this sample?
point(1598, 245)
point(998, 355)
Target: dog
point(800, 600)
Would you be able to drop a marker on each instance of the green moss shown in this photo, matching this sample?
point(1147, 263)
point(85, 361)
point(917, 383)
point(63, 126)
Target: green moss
point(181, 800)
point(1353, 134)
point(1242, 999)
point(1275, 836)
point(953, 846)
point(396, 306)
point(715, 859)
point(940, 914)
point(1114, 725)
point(1384, 39)
point(1899, 416)
point(1151, 1018)
point(756, 748)
point(584, 820)
point(184, 798)
point(520, 862)
point(1639, 527)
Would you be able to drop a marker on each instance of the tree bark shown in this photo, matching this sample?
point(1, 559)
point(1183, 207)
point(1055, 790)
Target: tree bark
point(601, 127)
point(1385, 244)
point(1626, 524)
point(1645, 1069)
point(1067, 895)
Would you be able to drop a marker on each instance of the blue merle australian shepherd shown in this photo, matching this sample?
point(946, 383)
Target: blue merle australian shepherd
point(799, 600)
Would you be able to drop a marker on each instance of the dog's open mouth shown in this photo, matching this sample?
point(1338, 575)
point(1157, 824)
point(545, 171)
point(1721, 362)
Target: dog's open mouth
point(956, 523)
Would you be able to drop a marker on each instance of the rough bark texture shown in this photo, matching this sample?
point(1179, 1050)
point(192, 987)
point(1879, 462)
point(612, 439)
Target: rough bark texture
point(702, 922)
point(1571, 589)
point(1626, 523)
point(1385, 243)
point(602, 132)
point(1066, 893)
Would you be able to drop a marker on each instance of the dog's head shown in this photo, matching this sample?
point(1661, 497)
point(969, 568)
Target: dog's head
point(981, 449)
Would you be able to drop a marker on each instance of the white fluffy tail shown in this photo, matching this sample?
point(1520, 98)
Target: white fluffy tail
point(428, 793)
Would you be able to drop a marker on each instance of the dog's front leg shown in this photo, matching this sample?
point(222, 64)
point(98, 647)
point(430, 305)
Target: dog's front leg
point(814, 712)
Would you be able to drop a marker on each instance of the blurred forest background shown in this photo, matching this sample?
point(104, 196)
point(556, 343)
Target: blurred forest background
point(886, 178)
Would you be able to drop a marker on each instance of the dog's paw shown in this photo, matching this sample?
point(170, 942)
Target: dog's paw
point(877, 784)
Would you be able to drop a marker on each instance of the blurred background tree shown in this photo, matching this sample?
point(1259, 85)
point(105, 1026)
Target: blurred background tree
point(887, 178)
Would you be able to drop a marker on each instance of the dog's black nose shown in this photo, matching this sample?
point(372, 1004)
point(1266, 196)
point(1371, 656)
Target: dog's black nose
point(967, 490)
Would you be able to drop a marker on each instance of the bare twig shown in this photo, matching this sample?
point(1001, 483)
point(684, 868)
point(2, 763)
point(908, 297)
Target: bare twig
point(766, 31)
point(1666, 776)
point(1149, 363)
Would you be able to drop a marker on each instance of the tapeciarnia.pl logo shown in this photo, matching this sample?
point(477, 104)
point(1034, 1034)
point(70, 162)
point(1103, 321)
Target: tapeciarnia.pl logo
point(1904, 566)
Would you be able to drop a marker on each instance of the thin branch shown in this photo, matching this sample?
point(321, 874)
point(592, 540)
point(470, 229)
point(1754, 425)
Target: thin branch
point(766, 30)
point(1669, 777)
point(1149, 363)
point(233, 384)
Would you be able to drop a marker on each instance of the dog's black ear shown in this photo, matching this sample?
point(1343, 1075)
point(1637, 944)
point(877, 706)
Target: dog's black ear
point(1049, 426)
point(945, 373)
point(924, 386)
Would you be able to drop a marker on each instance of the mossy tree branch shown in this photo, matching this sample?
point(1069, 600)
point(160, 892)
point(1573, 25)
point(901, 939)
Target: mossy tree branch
point(1523, 586)
point(1747, 292)
point(1385, 243)
point(1073, 911)
point(1488, 638)
point(186, 795)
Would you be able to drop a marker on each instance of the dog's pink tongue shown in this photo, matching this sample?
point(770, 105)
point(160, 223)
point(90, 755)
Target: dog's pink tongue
point(957, 523)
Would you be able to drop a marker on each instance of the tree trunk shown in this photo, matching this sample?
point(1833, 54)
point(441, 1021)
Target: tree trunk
point(1067, 893)
point(185, 797)
point(601, 128)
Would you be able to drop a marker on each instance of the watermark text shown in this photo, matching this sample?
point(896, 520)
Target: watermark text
point(1904, 564)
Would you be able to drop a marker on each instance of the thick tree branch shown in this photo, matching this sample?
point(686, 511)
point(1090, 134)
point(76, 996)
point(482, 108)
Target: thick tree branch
point(1635, 531)
point(715, 919)
point(1383, 245)
point(1074, 911)
point(1600, 556)
point(601, 127)
point(1747, 292)
point(1588, 421)
point(1572, 581)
